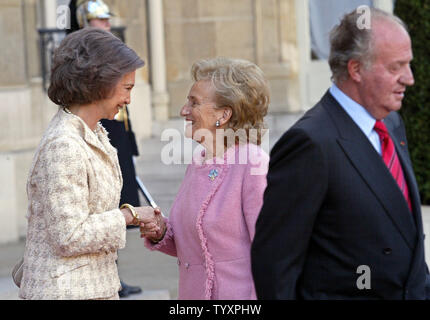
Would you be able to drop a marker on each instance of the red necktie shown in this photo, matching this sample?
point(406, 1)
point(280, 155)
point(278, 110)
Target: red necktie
point(391, 159)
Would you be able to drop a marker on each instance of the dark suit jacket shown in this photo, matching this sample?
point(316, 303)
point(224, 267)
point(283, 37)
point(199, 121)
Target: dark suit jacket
point(125, 143)
point(330, 206)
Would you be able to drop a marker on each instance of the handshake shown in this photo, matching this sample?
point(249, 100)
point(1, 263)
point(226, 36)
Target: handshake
point(150, 221)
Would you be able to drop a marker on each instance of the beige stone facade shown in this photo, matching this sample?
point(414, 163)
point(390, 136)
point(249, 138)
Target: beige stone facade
point(256, 30)
point(170, 35)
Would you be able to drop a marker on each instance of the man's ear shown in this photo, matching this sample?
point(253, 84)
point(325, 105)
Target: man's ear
point(354, 68)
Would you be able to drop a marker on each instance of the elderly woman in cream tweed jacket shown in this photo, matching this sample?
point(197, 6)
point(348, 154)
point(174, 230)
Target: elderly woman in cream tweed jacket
point(74, 224)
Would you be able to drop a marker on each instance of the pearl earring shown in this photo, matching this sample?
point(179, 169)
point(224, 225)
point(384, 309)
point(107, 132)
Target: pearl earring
point(217, 123)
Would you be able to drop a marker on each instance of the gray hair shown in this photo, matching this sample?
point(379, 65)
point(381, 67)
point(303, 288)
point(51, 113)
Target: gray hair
point(348, 41)
point(87, 66)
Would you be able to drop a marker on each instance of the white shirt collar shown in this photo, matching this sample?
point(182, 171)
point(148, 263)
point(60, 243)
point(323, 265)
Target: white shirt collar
point(356, 111)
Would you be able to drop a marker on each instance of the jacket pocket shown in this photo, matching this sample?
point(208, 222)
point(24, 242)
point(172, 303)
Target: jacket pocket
point(67, 264)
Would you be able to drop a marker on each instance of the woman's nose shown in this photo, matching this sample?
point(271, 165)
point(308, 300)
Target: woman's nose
point(184, 110)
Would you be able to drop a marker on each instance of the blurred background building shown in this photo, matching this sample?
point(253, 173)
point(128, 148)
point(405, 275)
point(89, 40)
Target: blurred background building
point(288, 39)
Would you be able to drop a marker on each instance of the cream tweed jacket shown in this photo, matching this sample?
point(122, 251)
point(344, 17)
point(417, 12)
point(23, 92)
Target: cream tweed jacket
point(74, 225)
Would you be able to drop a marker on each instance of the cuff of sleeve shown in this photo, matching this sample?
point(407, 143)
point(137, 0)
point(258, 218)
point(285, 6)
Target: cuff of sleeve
point(122, 234)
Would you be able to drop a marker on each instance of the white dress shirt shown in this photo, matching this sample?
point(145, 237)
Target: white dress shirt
point(359, 115)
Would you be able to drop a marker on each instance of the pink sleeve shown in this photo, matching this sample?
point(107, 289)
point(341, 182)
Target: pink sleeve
point(254, 184)
point(167, 245)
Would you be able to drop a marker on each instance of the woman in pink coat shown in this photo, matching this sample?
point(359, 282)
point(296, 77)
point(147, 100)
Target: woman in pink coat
point(212, 221)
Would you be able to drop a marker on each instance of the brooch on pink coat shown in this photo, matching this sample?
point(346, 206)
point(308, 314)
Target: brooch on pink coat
point(213, 174)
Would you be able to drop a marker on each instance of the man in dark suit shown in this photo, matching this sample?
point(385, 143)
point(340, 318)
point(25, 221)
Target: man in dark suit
point(341, 217)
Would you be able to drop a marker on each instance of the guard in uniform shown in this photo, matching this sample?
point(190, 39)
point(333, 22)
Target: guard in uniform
point(123, 139)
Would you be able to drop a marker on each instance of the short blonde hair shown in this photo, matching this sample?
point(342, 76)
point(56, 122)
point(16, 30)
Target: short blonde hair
point(240, 85)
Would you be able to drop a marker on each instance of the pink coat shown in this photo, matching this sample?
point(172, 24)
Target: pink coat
point(212, 224)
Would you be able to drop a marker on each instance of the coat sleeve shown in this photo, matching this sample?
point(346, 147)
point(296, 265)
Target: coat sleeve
point(254, 184)
point(167, 245)
point(63, 181)
point(296, 184)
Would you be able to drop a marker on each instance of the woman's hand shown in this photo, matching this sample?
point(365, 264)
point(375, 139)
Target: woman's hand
point(158, 234)
point(147, 219)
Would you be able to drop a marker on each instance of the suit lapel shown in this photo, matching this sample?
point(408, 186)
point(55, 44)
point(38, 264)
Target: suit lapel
point(372, 169)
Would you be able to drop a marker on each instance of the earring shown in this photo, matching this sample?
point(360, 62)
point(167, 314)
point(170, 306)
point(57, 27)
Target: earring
point(217, 123)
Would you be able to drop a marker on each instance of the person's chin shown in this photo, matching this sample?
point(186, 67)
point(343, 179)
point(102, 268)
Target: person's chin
point(188, 129)
point(188, 133)
point(396, 106)
point(393, 107)
point(398, 100)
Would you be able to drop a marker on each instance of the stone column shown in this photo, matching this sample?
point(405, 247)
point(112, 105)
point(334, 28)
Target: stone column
point(14, 95)
point(50, 13)
point(12, 47)
point(271, 39)
point(160, 97)
point(386, 5)
point(25, 110)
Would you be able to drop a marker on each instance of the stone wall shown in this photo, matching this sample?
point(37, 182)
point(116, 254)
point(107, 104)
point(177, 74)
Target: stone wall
point(262, 31)
point(25, 111)
point(12, 44)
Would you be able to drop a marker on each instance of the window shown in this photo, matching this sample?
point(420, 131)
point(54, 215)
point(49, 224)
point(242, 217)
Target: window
point(323, 16)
